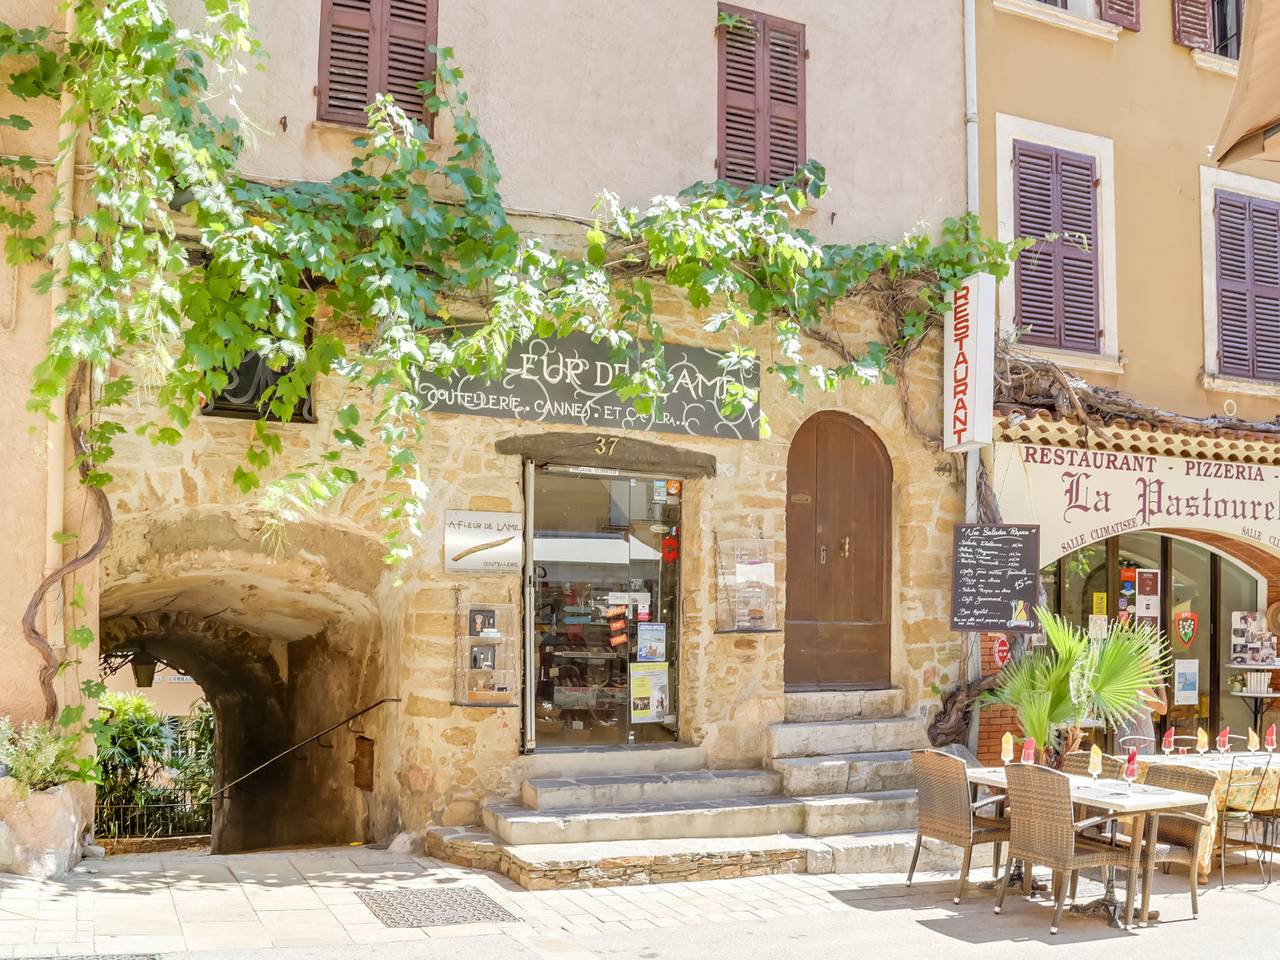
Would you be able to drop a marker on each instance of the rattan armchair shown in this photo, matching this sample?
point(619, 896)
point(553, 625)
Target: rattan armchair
point(1043, 830)
point(946, 811)
point(1178, 834)
point(1076, 763)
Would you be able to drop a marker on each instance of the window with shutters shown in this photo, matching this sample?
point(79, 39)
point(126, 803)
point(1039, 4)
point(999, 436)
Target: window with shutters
point(1097, 18)
point(1213, 26)
point(761, 97)
point(1056, 279)
point(1057, 186)
point(368, 47)
point(1247, 261)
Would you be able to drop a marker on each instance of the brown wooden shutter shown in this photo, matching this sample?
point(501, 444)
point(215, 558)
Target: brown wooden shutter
point(1033, 216)
point(1193, 23)
point(411, 29)
point(1235, 339)
point(350, 58)
point(1056, 281)
point(1123, 13)
point(761, 131)
point(784, 70)
point(741, 117)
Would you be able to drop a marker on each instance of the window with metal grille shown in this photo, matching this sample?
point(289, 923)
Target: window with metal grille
point(1247, 248)
point(761, 97)
point(1056, 284)
point(368, 47)
point(245, 395)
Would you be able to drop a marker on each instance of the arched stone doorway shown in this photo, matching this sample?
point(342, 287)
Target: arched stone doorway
point(284, 643)
point(839, 534)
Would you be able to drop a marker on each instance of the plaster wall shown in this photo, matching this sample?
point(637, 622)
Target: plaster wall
point(1162, 113)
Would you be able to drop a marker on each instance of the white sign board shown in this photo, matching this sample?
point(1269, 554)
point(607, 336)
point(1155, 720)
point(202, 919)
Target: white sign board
point(968, 364)
point(477, 541)
point(1079, 497)
point(1186, 682)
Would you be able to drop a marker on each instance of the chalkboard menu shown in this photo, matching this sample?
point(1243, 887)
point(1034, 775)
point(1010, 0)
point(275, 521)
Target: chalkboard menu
point(995, 578)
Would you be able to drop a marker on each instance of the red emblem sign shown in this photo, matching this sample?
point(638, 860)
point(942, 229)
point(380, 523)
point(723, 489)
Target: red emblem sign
point(1186, 624)
point(670, 549)
point(1001, 653)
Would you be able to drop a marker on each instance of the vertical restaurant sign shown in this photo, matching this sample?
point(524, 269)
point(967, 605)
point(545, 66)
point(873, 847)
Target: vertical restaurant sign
point(567, 381)
point(968, 364)
point(1079, 497)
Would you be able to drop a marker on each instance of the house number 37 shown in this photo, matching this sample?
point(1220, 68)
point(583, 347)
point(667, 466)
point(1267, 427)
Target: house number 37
point(606, 445)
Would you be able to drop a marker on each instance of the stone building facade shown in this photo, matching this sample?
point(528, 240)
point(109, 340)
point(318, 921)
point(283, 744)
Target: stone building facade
point(289, 637)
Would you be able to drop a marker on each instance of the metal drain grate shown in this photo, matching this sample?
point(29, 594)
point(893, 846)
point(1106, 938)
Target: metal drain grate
point(434, 908)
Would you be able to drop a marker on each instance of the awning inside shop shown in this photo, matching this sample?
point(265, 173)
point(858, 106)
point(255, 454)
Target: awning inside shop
point(1251, 129)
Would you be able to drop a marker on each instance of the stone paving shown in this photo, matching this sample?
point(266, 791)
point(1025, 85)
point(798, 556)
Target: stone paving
point(169, 903)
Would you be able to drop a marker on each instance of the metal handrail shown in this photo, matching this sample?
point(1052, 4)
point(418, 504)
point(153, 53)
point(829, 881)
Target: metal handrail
point(303, 743)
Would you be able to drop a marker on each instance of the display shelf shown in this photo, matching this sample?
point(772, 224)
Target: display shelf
point(1267, 695)
point(485, 673)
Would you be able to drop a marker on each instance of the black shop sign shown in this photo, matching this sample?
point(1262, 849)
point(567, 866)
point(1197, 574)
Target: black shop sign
point(995, 578)
point(567, 381)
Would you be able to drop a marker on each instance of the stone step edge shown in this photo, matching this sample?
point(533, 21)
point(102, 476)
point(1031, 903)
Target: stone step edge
point(675, 776)
point(865, 756)
point(600, 863)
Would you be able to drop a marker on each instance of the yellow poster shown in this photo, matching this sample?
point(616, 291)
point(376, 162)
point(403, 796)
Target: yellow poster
point(650, 693)
point(1099, 604)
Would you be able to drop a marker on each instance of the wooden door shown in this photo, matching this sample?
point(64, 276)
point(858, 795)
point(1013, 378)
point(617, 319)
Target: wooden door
point(839, 484)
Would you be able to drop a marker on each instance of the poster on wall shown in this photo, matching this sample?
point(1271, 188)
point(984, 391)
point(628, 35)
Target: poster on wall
point(1148, 594)
point(651, 642)
point(1186, 682)
point(650, 693)
point(1098, 626)
point(1252, 644)
point(1099, 603)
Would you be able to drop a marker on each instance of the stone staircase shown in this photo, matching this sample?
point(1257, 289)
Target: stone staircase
point(835, 794)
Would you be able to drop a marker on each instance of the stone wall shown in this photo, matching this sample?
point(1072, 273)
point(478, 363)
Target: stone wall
point(188, 540)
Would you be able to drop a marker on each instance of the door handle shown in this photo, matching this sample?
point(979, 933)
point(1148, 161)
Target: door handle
point(822, 554)
point(844, 548)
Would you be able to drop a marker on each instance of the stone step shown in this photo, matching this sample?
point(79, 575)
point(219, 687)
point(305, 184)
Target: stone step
point(614, 863)
point(727, 817)
point(826, 737)
point(845, 773)
point(875, 812)
point(591, 792)
point(573, 762)
point(814, 705)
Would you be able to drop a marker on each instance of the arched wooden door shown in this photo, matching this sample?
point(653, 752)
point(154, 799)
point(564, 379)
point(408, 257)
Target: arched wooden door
point(839, 486)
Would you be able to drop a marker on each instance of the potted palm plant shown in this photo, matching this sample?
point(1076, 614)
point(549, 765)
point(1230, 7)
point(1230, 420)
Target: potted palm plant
point(1076, 679)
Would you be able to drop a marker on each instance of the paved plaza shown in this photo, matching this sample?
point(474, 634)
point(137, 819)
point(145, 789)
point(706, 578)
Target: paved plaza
point(306, 903)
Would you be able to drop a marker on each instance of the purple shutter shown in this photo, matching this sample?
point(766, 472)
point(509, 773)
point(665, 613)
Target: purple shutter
point(1033, 216)
point(1264, 262)
point(742, 116)
point(1078, 252)
point(1123, 13)
point(784, 77)
point(1231, 226)
point(1193, 23)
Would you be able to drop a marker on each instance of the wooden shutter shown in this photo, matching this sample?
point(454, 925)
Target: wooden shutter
point(1123, 13)
point(350, 59)
point(1193, 23)
point(1231, 223)
point(1033, 216)
point(411, 29)
point(1056, 280)
point(369, 47)
point(1248, 255)
point(1078, 251)
point(761, 135)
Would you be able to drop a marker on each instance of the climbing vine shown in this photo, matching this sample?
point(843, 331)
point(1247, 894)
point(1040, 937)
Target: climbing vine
point(180, 266)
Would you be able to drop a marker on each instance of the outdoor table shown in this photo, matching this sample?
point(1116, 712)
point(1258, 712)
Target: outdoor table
point(1219, 764)
point(1143, 803)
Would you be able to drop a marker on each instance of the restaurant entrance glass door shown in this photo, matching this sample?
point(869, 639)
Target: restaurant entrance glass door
point(603, 614)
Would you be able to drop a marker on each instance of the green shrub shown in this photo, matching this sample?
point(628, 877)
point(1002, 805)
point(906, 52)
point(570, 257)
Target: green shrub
point(39, 754)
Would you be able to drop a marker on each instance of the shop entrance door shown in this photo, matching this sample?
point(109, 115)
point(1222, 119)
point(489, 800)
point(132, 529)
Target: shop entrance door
point(602, 608)
point(839, 484)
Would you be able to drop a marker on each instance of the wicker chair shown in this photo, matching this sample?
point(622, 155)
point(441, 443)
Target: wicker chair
point(1044, 831)
point(1236, 809)
point(1076, 763)
point(1178, 839)
point(947, 812)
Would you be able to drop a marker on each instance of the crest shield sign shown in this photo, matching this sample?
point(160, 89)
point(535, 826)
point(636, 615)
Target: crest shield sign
point(1186, 624)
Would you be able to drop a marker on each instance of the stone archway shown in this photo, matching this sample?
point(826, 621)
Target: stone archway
point(285, 643)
